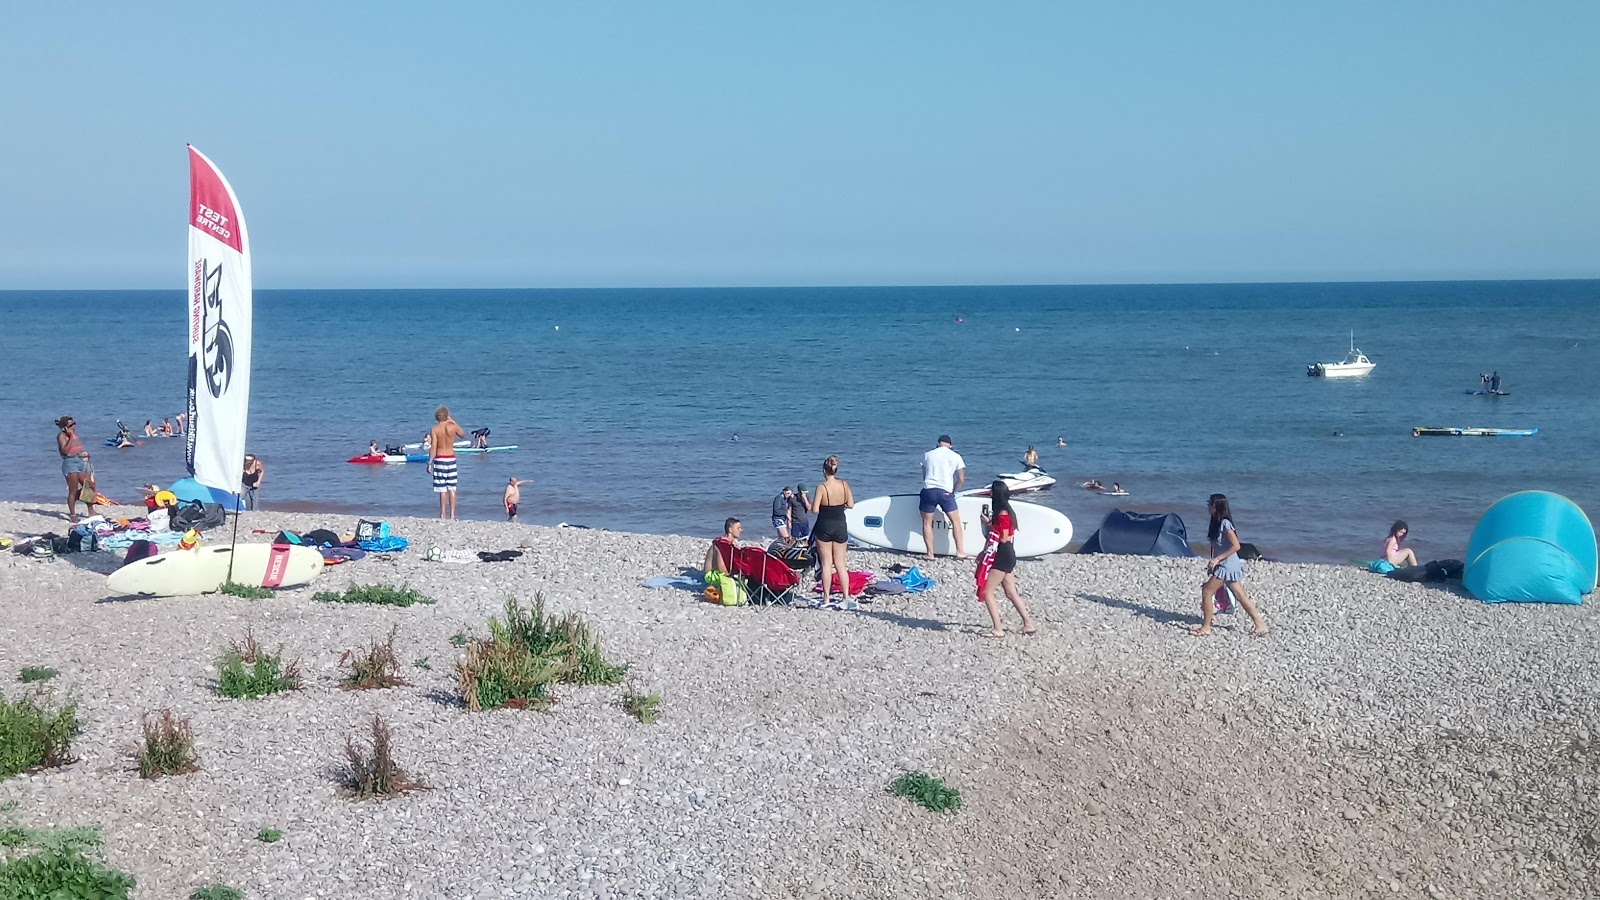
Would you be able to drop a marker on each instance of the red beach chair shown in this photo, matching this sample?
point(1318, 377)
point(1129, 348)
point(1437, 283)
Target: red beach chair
point(768, 579)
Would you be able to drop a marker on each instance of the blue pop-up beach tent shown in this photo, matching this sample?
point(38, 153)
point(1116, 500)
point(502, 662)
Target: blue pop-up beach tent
point(1139, 534)
point(1532, 547)
point(187, 489)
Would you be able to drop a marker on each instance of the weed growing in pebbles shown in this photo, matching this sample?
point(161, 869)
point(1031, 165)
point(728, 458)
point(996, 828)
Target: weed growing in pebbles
point(382, 594)
point(422, 663)
point(373, 773)
point(245, 591)
point(31, 674)
point(246, 671)
point(269, 835)
point(644, 707)
point(168, 746)
point(525, 654)
point(927, 790)
point(375, 667)
point(35, 734)
point(217, 892)
point(62, 863)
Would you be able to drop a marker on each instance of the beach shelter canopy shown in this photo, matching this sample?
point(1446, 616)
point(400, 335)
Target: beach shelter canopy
point(1139, 534)
point(187, 489)
point(1531, 547)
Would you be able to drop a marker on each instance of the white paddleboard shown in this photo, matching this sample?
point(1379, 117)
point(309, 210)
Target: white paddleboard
point(894, 523)
point(180, 573)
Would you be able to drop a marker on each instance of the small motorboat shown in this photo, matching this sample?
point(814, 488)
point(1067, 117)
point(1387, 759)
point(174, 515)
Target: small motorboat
point(1355, 364)
point(1032, 479)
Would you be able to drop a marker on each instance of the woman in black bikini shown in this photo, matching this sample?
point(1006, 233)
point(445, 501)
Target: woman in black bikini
point(831, 533)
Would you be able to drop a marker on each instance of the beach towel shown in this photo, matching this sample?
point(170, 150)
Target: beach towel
point(858, 582)
point(682, 582)
point(386, 544)
point(915, 581)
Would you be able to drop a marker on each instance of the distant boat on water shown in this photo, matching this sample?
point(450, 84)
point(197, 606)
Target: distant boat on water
point(1355, 365)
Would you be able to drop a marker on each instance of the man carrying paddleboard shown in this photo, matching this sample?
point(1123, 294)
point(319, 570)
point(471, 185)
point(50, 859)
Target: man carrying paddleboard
point(943, 473)
point(442, 459)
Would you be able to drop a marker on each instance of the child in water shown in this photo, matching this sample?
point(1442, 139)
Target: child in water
point(513, 497)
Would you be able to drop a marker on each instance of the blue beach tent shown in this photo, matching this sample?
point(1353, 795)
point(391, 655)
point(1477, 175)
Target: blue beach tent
point(1531, 547)
point(1139, 534)
point(187, 489)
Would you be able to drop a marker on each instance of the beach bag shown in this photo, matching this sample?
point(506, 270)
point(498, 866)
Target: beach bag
point(160, 520)
point(368, 530)
point(322, 537)
point(724, 588)
point(198, 516)
point(82, 540)
point(289, 537)
point(86, 493)
point(140, 549)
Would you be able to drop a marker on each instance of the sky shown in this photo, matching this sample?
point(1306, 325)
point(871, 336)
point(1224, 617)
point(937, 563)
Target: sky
point(711, 143)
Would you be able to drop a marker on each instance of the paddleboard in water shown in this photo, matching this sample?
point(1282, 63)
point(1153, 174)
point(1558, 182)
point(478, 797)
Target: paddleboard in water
point(1113, 493)
point(1474, 432)
point(418, 445)
point(180, 573)
point(485, 449)
point(894, 523)
point(1490, 393)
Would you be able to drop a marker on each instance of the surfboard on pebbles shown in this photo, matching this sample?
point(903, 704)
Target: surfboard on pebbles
point(180, 573)
point(894, 523)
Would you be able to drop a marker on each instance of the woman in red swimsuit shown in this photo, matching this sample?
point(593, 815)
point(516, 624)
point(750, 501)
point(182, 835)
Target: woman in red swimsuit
point(997, 564)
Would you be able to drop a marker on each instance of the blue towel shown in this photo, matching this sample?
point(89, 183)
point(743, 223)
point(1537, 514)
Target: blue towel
point(916, 582)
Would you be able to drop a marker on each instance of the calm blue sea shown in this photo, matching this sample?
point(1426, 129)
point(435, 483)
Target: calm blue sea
point(624, 402)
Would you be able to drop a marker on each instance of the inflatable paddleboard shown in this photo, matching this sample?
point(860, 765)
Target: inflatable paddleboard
point(1474, 432)
point(1113, 493)
point(418, 445)
point(180, 573)
point(1490, 393)
point(894, 523)
point(485, 449)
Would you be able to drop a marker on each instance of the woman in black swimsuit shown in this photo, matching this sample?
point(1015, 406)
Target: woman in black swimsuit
point(832, 535)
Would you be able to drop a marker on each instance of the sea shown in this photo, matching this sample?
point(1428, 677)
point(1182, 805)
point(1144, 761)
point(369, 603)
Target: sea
point(666, 411)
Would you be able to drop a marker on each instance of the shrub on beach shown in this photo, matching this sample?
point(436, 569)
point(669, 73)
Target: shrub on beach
point(168, 746)
point(527, 652)
point(217, 892)
point(60, 865)
point(644, 707)
point(246, 671)
point(382, 594)
point(35, 734)
point(375, 667)
point(245, 591)
point(373, 772)
point(31, 674)
point(927, 790)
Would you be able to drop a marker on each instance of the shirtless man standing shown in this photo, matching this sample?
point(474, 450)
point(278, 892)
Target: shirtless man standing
point(442, 460)
point(513, 497)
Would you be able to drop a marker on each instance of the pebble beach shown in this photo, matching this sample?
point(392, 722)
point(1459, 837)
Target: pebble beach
point(1386, 740)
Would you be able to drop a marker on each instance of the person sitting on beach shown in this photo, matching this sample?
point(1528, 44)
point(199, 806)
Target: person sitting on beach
point(513, 497)
point(480, 438)
point(719, 556)
point(1398, 556)
point(1031, 458)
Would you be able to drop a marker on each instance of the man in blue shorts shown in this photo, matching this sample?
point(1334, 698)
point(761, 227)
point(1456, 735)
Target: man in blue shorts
point(943, 473)
point(780, 513)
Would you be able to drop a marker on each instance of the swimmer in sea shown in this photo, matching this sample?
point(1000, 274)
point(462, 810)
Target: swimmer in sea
point(734, 439)
point(1061, 442)
point(1094, 484)
point(1116, 488)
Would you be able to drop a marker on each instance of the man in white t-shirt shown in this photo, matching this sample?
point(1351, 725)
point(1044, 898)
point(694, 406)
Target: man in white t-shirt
point(943, 473)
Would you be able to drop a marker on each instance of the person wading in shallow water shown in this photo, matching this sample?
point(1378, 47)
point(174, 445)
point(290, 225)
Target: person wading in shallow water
point(442, 459)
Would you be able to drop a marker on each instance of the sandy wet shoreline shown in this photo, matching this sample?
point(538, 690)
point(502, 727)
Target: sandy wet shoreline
point(1389, 739)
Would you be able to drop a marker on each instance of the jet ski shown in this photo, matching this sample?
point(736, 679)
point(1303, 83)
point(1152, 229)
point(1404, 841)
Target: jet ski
point(1031, 479)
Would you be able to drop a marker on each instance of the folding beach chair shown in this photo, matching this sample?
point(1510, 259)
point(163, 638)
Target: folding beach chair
point(768, 579)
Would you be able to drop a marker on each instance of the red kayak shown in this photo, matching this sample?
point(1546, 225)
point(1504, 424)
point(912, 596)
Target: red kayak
point(368, 458)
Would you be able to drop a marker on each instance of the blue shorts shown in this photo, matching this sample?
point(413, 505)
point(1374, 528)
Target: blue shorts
point(780, 523)
point(933, 499)
point(72, 464)
point(800, 530)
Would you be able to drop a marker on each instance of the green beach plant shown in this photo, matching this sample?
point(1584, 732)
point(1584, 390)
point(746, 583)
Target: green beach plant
point(269, 835)
point(422, 663)
point(62, 864)
point(31, 674)
point(246, 671)
point(644, 707)
point(927, 790)
point(217, 892)
point(526, 653)
point(35, 734)
point(375, 667)
point(168, 746)
point(373, 772)
point(245, 591)
point(382, 594)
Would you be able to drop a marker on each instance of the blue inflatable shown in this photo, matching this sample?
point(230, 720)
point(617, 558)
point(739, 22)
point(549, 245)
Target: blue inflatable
point(187, 489)
point(1532, 547)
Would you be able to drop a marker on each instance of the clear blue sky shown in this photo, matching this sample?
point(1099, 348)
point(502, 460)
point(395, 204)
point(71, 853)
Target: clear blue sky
point(544, 144)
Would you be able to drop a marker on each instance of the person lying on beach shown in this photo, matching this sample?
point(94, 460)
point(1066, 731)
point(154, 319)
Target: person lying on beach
point(1398, 556)
point(513, 497)
point(719, 556)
